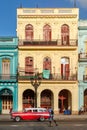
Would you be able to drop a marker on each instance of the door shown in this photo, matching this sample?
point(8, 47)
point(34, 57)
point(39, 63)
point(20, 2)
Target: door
point(65, 67)
point(65, 34)
point(5, 69)
point(6, 104)
point(6, 101)
point(47, 33)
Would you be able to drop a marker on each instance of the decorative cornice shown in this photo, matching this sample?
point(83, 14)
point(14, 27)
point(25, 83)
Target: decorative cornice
point(50, 82)
point(47, 16)
point(64, 48)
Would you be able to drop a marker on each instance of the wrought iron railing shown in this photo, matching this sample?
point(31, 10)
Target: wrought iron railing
point(83, 56)
point(8, 77)
point(55, 77)
point(71, 42)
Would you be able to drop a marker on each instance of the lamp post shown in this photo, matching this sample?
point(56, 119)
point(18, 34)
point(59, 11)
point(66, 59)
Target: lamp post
point(35, 82)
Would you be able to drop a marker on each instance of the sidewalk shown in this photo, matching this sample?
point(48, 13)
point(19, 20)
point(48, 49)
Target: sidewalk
point(6, 117)
point(70, 117)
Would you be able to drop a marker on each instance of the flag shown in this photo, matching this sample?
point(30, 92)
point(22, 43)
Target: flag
point(46, 74)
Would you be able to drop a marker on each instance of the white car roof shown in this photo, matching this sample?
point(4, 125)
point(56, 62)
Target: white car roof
point(35, 108)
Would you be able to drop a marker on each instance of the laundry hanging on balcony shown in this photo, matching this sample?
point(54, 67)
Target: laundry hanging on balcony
point(46, 74)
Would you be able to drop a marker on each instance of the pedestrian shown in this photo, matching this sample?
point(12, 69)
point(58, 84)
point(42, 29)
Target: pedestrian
point(81, 111)
point(51, 117)
point(11, 110)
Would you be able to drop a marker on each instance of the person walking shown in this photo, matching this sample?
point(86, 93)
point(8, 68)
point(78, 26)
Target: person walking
point(51, 117)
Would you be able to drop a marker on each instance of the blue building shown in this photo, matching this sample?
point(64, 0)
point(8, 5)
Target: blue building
point(82, 64)
point(8, 74)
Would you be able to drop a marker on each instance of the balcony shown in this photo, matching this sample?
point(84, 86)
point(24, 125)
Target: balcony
point(8, 78)
point(82, 57)
point(52, 77)
point(37, 45)
point(72, 42)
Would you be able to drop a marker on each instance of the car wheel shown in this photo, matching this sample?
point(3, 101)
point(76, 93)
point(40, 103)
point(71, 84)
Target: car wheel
point(42, 118)
point(17, 118)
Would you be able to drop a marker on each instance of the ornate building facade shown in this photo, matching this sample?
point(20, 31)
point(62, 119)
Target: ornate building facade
point(8, 74)
point(82, 65)
point(48, 46)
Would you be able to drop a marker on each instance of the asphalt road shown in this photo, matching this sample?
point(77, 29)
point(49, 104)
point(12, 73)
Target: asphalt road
point(35, 125)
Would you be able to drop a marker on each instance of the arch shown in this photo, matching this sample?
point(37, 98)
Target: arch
point(47, 32)
point(65, 100)
point(28, 98)
point(6, 100)
point(65, 34)
point(65, 67)
point(6, 91)
point(46, 98)
point(29, 32)
point(6, 56)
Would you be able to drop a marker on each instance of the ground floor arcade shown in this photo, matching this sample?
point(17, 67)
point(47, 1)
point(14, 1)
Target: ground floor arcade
point(59, 96)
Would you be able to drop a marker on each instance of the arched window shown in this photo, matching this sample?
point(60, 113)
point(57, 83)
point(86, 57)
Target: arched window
point(65, 68)
point(47, 33)
point(29, 69)
point(29, 32)
point(65, 34)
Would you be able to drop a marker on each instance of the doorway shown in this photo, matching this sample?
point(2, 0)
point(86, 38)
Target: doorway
point(6, 101)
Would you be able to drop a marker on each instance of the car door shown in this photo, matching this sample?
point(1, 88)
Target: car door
point(27, 115)
point(31, 115)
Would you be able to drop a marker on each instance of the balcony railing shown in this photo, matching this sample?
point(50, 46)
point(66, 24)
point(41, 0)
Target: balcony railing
point(82, 56)
point(54, 77)
point(72, 42)
point(8, 78)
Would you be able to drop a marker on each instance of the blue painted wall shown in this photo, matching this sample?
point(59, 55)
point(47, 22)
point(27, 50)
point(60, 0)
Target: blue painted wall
point(82, 63)
point(9, 50)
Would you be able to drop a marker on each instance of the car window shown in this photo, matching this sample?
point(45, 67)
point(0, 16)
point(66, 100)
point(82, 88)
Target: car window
point(29, 111)
point(35, 111)
point(44, 110)
point(40, 110)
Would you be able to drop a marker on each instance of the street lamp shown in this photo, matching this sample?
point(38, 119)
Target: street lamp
point(36, 81)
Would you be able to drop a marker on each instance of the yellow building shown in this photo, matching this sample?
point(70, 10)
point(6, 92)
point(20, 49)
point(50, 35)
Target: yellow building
point(48, 46)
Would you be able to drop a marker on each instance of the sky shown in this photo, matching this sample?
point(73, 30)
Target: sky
point(8, 8)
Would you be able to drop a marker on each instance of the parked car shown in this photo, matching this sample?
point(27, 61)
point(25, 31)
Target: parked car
point(31, 114)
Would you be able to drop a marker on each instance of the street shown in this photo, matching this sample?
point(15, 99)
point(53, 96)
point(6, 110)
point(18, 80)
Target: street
point(35, 125)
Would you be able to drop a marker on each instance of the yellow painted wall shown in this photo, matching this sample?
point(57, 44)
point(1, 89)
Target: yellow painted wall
point(56, 18)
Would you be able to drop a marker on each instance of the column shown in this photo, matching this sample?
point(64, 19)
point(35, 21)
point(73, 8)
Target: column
point(38, 99)
point(56, 102)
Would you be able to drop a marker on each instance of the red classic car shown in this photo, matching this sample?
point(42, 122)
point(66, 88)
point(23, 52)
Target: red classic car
point(31, 114)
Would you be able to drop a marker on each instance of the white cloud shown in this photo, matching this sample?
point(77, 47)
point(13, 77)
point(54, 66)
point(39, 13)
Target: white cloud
point(82, 3)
